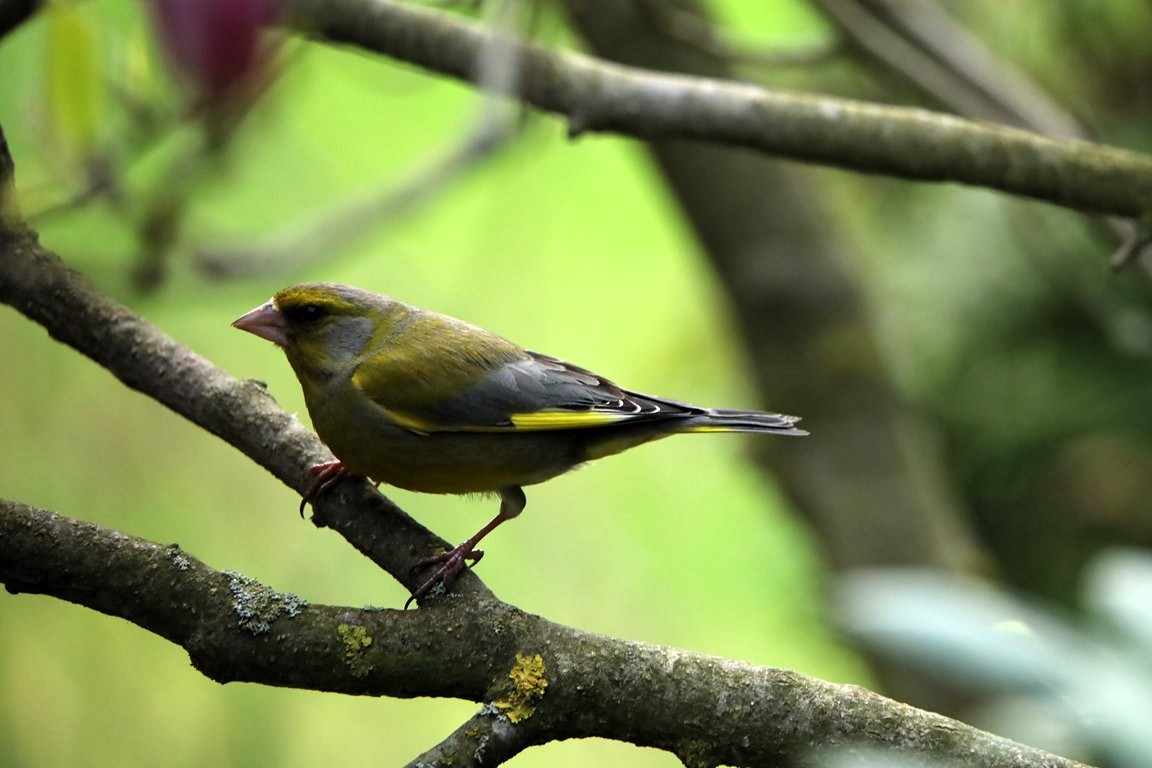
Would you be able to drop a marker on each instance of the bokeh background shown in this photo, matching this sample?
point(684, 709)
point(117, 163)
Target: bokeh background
point(1006, 367)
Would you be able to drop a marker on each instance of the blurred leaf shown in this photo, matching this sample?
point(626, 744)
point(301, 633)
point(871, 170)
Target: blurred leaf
point(214, 43)
point(1119, 589)
point(75, 92)
point(1111, 695)
point(961, 628)
point(875, 758)
point(1094, 687)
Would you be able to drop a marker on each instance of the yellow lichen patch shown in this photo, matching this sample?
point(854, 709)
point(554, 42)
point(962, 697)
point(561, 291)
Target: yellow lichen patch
point(356, 640)
point(528, 686)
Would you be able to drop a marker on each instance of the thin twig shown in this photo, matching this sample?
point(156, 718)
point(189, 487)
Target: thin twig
point(920, 43)
point(486, 738)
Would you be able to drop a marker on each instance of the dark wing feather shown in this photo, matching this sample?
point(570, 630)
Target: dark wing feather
point(532, 392)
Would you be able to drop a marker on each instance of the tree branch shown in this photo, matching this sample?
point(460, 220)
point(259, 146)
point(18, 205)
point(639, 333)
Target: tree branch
point(232, 627)
point(921, 44)
point(539, 681)
point(35, 282)
point(482, 740)
point(597, 96)
point(13, 13)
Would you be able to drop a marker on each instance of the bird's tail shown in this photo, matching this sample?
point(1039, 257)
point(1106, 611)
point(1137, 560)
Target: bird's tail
point(724, 420)
point(691, 419)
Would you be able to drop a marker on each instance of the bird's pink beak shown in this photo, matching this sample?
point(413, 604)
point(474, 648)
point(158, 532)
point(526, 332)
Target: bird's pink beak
point(266, 322)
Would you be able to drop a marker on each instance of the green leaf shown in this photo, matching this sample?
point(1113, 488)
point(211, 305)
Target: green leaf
point(75, 91)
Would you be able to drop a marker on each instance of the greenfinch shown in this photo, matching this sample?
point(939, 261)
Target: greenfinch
point(430, 403)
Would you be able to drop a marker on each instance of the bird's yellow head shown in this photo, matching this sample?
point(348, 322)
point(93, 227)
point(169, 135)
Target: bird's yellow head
point(324, 328)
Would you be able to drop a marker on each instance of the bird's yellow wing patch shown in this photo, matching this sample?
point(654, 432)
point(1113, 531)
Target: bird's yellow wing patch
point(517, 422)
point(541, 420)
point(709, 428)
point(409, 421)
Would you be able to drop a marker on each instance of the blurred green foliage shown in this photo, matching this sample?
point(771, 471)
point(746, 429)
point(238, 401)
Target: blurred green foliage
point(568, 248)
point(1079, 687)
point(1004, 325)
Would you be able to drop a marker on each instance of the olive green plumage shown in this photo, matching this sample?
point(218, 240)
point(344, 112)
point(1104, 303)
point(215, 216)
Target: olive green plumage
point(426, 402)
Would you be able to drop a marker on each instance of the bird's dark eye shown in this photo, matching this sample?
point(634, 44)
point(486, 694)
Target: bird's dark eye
point(307, 314)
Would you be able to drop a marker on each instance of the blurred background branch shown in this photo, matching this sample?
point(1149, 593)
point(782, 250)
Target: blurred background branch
point(854, 135)
point(920, 43)
point(13, 13)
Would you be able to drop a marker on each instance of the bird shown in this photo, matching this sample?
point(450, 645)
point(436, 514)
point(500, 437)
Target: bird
point(425, 402)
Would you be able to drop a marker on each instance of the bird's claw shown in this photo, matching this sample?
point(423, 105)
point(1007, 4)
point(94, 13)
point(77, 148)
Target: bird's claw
point(325, 475)
point(451, 562)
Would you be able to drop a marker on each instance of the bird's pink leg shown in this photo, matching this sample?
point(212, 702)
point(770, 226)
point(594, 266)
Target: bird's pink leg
point(453, 560)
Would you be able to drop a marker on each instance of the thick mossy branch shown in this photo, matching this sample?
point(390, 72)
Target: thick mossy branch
point(235, 628)
point(598, 96)
point(563, 683)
